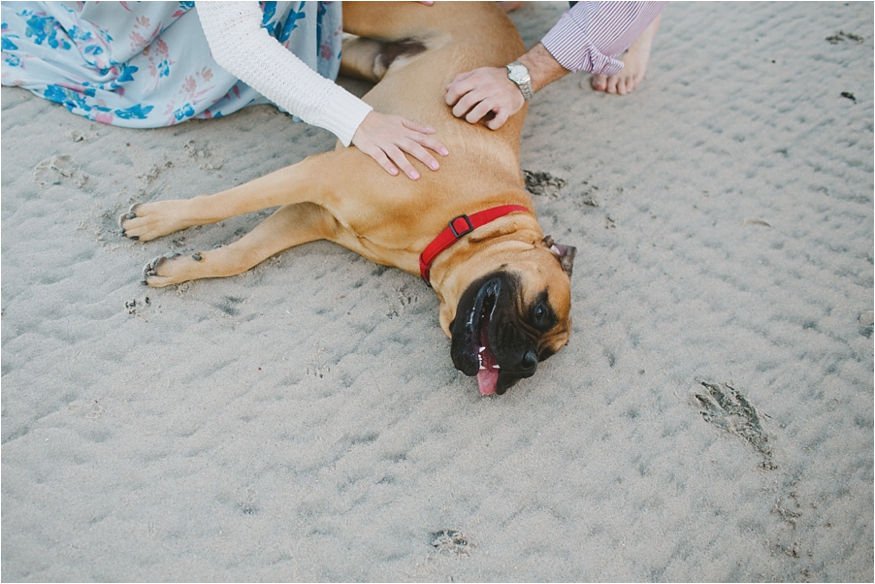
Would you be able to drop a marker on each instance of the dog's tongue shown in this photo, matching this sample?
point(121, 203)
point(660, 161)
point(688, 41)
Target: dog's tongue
point(487, 377)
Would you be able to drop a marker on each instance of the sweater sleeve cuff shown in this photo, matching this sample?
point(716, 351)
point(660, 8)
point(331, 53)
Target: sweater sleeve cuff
point(571, 47)
point(347, 112)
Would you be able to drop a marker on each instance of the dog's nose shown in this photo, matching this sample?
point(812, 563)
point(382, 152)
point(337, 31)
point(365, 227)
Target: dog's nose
point(528, 364)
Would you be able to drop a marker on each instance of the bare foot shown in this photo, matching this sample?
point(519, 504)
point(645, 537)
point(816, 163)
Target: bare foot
point(635, 64)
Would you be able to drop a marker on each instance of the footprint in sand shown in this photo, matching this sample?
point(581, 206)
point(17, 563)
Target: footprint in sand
point(450, 541)
point(543, 183)
point(727, 408)
point(52, 171)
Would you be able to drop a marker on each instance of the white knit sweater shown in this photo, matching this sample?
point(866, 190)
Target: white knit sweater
point(244, 49)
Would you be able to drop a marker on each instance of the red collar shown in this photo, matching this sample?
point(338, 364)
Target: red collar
point(461, 225)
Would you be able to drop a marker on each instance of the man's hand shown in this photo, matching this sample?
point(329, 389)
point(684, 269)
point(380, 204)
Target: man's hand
point(386, 138)
point(475, 94)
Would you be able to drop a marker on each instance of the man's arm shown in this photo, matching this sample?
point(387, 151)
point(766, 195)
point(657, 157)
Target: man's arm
point(585, 39)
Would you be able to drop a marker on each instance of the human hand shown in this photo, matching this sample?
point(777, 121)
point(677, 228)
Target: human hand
point(475, 94)
point(386, 138)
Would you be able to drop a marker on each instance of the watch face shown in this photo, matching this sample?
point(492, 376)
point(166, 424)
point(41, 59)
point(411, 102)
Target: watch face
point(518, 72)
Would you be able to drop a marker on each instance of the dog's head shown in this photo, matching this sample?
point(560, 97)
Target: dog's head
point(516, 315)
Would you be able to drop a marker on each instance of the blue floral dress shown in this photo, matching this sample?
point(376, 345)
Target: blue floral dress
point(147, 64)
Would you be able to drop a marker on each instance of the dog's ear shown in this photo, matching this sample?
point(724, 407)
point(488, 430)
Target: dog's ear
point(564, 254)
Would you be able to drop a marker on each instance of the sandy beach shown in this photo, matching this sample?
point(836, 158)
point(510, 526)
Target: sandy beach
point(710, 420)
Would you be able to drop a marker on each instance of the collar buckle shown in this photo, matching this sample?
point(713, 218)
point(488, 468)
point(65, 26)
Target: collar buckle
point(458, 232)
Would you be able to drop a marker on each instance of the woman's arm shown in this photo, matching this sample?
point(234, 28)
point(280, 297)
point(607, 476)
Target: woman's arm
point(241, 46)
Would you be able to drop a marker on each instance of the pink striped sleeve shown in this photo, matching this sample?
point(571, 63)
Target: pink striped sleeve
point(591, 35)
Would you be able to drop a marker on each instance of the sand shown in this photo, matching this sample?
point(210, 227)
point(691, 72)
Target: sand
point(711, 418)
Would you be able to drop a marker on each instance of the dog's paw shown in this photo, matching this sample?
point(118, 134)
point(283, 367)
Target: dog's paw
point(146, 221)
point(168, 269)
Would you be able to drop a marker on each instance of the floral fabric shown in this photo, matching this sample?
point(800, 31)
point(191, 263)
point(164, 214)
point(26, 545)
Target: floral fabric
point(147, 64)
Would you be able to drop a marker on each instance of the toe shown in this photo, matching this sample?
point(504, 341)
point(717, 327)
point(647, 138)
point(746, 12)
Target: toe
point(152, 272)
point(149, 269)
point(124, 222)
point(124, 218)
point(612, 85)
point(152, 267)
point(131, 214)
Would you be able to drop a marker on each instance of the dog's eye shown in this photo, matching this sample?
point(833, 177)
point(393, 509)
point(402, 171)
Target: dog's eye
point(542, 316)
point(541, 313)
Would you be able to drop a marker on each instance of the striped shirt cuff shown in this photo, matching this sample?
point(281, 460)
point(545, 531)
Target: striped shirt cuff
point(569, 44)
point(591, 35)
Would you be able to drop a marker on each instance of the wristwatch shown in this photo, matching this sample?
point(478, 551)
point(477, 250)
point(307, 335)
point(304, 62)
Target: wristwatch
point(518, 73)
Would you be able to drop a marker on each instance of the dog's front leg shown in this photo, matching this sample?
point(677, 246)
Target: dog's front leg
point(289, 226)
point(298, 183)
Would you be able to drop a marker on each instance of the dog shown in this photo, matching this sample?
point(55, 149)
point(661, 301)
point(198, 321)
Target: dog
point(468, 229)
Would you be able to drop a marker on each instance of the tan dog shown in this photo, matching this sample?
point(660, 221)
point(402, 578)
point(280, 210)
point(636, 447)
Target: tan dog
point(504, 288)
